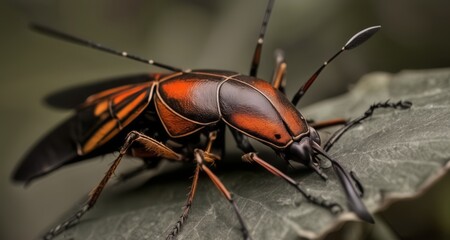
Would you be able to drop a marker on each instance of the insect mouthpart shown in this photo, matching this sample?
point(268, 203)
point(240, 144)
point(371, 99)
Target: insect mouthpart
point(301, 151)
point(314, 135)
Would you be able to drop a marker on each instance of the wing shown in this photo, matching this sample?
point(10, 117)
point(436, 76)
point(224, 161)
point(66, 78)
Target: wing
point(72, 97)
point(88, 133)
point(52, 151)
point(105, 114)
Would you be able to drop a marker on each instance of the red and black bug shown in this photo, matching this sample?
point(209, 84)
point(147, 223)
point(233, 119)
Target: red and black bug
point(182, 116)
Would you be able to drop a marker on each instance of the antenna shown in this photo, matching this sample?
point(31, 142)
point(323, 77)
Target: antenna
point(257, 54)
point(73, 39)
point(353, 42)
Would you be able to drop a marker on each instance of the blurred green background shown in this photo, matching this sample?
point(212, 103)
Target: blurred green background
point(198, 34)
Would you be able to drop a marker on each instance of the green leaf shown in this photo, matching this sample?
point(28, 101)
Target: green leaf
point(396, 154)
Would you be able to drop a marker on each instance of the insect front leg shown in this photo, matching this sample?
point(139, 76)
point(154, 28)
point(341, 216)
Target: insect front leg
point(152, 146)
point(331, 206)
point(398, 105)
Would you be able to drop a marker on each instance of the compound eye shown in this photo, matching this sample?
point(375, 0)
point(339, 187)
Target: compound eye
point(314, 135)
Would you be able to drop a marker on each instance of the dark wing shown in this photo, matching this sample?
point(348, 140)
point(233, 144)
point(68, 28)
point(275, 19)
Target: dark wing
point(89, 132)
point(51, 152)
point(74, 96)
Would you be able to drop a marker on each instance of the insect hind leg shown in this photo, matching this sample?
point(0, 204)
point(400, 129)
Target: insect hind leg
point(151, 145)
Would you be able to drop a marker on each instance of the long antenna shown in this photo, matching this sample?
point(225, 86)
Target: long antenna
point(257, 54)
point(353, 42)
point(70, 38)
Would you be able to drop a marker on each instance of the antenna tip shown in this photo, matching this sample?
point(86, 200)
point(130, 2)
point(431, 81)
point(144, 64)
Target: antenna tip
point(361, 37)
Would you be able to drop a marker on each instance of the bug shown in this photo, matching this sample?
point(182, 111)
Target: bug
point(182, 116)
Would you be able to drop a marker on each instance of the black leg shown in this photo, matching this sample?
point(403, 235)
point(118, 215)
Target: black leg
point(242, 141)
point(398, 105)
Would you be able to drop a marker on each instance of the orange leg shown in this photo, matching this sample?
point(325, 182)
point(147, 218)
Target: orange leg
point(200, 158)
point(328, 123)
point(333, 207)
point(187, 206)
point(153, 146)
point(279, 75)
point(207, 157)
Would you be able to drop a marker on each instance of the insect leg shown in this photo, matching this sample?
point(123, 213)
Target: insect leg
point(279, 75)
point(327, 123)
point(199, 157)
point(398, 105)
point(152, 146)
point(187, 206)
point(208, 157)
point(242, 141)
point(331, 206)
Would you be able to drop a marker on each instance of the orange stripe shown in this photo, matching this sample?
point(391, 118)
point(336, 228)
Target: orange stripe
point(110, 129)
point(95, 140)
point(105, 93)
point(125, 94)
point(101, 108)
point(123, 113)
point(132, 105)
